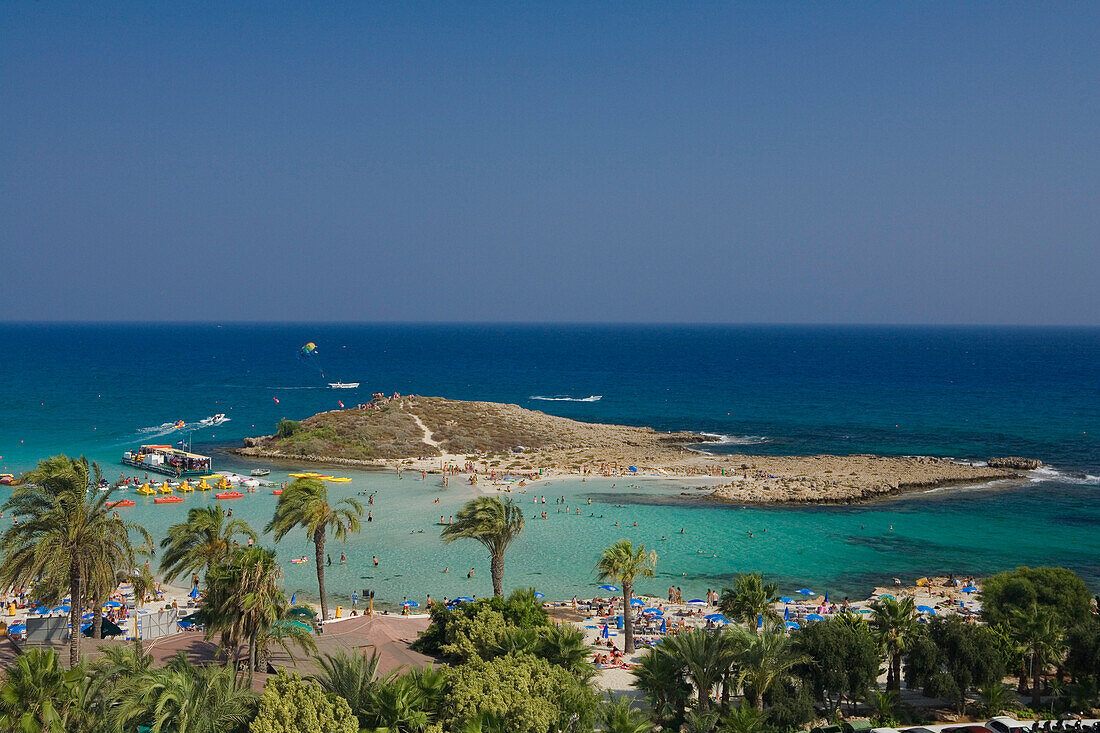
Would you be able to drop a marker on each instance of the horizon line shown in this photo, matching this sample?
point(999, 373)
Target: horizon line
point(747, 324)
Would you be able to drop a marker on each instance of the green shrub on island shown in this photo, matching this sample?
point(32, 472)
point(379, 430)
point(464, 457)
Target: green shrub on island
point(287, 428)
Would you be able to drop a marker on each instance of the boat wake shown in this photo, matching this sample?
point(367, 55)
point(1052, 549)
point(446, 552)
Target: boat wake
point(156, 431)
point(590, 398)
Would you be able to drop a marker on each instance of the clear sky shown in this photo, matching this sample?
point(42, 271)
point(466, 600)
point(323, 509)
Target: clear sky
point(623, 161)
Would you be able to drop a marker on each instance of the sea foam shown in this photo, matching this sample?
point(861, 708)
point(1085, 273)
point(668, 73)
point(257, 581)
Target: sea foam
point(590, 398)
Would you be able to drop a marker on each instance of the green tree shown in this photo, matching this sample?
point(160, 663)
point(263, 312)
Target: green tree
point(618, 715)
point(1040, 631)
point(66, 535)
point(842, 660)
point(660, 678)
point(895, 624)
point(624, 564)
point(406, 703)
point(750, 598)
point(744, 719)
point(350, 676)
point(493, 522)
point(183, 698)
point(305, 503)
point(766, 658)
point(961, 656)
point(39, 695)
point(1021, 589)
point(204, 540)
point(520, 609)
point(290, 704)
point(704, 657)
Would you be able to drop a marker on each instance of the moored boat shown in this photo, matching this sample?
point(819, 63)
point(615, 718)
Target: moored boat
point(229, 495)
point(165, 459)
point(121, 502)
point(168, 500)
point(260, 472)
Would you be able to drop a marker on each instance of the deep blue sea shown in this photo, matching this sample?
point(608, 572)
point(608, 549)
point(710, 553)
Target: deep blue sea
point(960, 392)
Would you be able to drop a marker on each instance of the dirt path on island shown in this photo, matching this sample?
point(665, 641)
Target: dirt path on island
point(427, 433)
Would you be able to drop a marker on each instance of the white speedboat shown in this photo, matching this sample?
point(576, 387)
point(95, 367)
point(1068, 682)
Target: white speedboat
point(343, 385)
point(218, 419)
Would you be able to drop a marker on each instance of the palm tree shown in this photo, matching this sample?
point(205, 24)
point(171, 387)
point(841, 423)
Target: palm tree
point(204, 540)
point(183, 698)
point(1041, 634)
point(704, 658)
point(352, 677)
point(660, 678)
point(39, 694)
point(304, 503)
point(65, 537)
point(244, 600)
point(750, 598)
point(744, 719)
point(493, 522)
point(619, 716)
point(895, 623)
point(564, 645)
point(622, 563)
point(766, 657)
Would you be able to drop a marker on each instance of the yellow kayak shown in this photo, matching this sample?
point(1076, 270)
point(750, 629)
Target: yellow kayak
point(337, 479)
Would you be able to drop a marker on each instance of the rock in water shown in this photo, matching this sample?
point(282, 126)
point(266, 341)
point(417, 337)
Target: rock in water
point(1015, 462)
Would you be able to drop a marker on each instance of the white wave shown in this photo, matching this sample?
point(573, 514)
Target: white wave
point(723, 439)
point(590, 398)
point(157, 431)
point(1048, 473)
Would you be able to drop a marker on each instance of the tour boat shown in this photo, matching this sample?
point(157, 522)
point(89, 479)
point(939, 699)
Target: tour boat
point(167, 460)
point(343, 385)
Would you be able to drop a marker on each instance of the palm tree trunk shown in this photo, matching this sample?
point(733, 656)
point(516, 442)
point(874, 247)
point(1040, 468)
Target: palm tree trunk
point(74, 614)
point(319, 543)
point(1036, 682)
point(895, 673)
point(758, 701)
point(628, 622)
point(251, 655)
point(496, 569)
point(97, 619)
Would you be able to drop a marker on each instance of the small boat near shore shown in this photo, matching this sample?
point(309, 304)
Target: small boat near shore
point(277, 492)
point(122, 502)
point(168, 500)
point(229, 495)
point(260, 472)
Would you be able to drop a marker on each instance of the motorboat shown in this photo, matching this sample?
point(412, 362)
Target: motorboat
point(343, 385)
point(218, 419)
point(260, 472)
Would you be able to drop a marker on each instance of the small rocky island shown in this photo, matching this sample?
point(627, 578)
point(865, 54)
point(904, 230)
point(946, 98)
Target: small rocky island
point(425, 433)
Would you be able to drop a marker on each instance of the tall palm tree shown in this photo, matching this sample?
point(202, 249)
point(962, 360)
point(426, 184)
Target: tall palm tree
point(204, 540)
point(352, 677)
point(660, 677)
point(1042, 635)
point(493, 522)
point(66, 535)
point(705, 658)
point(750, 598)
point(183, 698)
point(244, 600)
point(766, 658)
point(304, 503)
point(895, 623)
point(624, 564)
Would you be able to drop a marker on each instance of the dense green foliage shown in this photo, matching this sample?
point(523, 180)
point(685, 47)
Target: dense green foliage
point(1022, 589)
point(495, 523)
point(291, 704)
point(842, 660)
point(453, 633)
point(287, 428)
point(951, 658)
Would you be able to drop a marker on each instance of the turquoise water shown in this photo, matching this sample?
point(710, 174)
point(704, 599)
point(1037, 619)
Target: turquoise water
point(953, 392)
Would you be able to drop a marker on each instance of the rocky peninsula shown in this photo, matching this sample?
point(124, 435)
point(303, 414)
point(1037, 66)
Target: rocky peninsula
point(493, 439)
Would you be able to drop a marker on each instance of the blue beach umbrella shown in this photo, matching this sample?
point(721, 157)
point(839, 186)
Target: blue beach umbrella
point(41, 610)
point(787, 613)
point(195, 594)
point(805, 591)
point(87, 617)
point(636, 603)
point(611, 588)
point(826, 596)
point(653, 612)
point(112, 604)
point(696, 602)
point(539, 595)
point(410, 604)
point(632, 469)
point(968, 589)
point(293, 596)
point(786, 599)
point(865, 610)
point(663, 627)
point(792, 625)
point(17, 628)
point(927, 609)
point(715, 617)
point(464, 599)
point(61, 609)
point(814, 617)
point(885, 596)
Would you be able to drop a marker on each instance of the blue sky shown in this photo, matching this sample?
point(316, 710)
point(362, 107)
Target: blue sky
point(718, 162)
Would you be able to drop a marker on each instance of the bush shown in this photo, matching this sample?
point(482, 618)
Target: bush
point(1023, 588)
point(287, 428)
point(791, 707)
point(291, 704)
point(520, 609)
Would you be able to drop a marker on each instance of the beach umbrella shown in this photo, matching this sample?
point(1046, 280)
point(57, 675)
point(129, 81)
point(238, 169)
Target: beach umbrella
point(885, 596)
point(539, 595)
point(112, 604)
point(786, 599)
point(805, 591)
point(410, 604)
point(17, 628)
point(61, 609)
point(792, 625)
point(716, 617)
point(636, 603)
point(865, 610)
point(696, 602)
point(968, 589)
point(293, 596)
point(632, 469)
point(787, 613)
point(653, 612)
point(87, 617)
point(41, 610)
point(826, 596)
point(296, 624)
point(927, 609)
point(663, 627)
point(611, 588)
point(464, 599)
point(195, 594)
point(814, 617)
